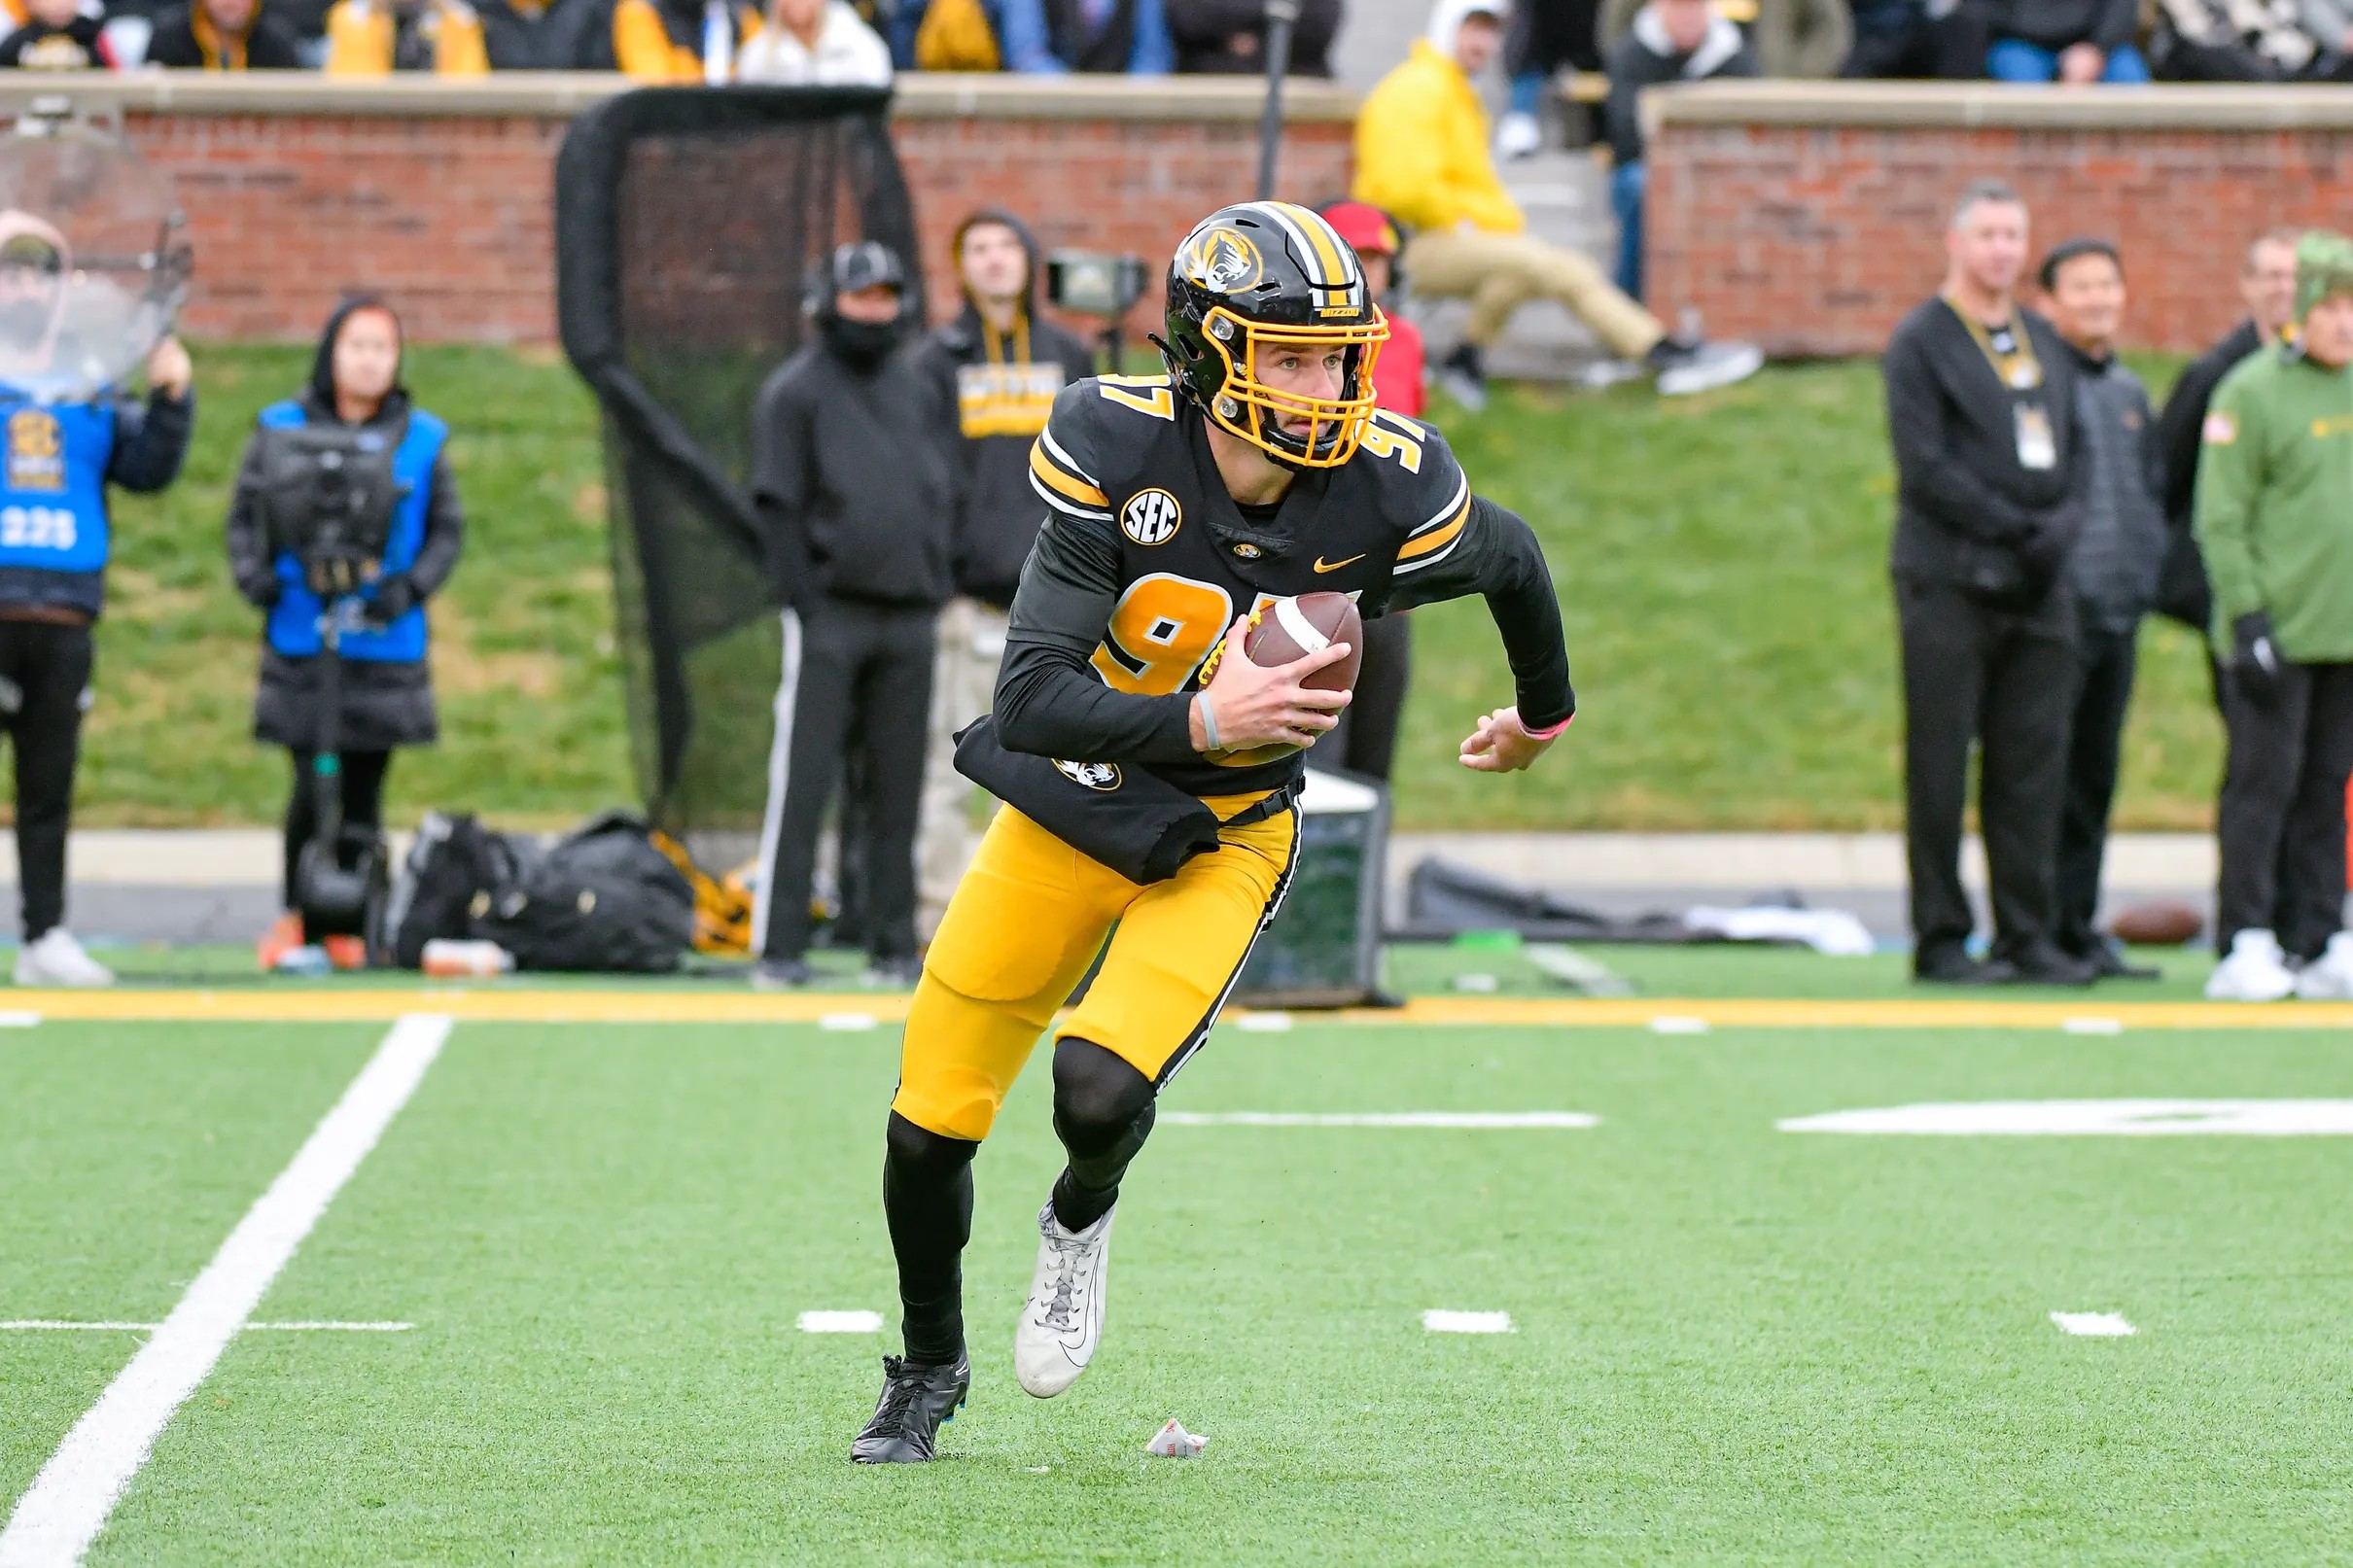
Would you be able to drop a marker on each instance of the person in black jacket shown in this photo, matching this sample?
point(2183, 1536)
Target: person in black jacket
point(1670, 41)
point(1990, 488)
point(1228, 37)
point(2074, 42)
point(223, 35)
point(999, 364)
point(386, 680)
point(55, 536)
point(2267, 281)
point(855, 480)
point(2113, 571)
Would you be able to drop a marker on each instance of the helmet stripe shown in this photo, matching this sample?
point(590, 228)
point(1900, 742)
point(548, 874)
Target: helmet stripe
point(1336, 263)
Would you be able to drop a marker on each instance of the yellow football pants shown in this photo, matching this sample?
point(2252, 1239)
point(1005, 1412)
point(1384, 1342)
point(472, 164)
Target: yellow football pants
point(1027, 920)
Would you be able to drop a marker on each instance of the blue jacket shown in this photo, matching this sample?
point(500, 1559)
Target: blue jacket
point(294, 620)
point(59, 458)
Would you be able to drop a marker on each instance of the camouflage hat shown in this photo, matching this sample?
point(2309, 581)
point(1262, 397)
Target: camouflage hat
point(2324, 265)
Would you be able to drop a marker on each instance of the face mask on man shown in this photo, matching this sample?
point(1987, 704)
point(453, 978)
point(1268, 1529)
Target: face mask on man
point(864, 344)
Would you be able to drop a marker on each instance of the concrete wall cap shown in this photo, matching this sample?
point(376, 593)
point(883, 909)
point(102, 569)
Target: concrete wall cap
point(561, 95)
point(1973, 105)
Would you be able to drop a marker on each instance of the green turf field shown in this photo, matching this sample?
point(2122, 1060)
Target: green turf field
point(1730, 1343)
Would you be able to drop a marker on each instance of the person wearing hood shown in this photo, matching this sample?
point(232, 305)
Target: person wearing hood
point(1422, 155)
point(223, 35)
point(815, 43)
point(2275, 490)
point(999, 364)
point(1670, 41)
point(856, 485)
point(386, 681)
point(54, 539)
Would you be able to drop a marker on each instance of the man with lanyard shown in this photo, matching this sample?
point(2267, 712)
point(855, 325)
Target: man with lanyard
point(1148, 765)
point(54, 539)
point(1991, 485)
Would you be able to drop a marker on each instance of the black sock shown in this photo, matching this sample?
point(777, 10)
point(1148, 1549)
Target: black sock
point(1103, 1112)
point(1468, 359)
point(928, 1201)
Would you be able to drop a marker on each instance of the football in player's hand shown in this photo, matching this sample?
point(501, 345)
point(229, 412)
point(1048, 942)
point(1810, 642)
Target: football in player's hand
point(1292, 629)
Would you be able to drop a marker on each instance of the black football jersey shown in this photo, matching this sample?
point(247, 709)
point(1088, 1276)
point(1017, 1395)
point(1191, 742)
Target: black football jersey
point(1126, 459)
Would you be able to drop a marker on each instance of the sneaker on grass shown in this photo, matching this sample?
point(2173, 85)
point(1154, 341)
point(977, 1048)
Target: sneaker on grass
point(1688, 365)
point(1062, 1321)
point(2329, 978)
point(916, 1400)
point(58, 959)
point(2255, 972)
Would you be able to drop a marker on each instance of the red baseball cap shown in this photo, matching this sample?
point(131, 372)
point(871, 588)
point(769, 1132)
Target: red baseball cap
point(1364, 227)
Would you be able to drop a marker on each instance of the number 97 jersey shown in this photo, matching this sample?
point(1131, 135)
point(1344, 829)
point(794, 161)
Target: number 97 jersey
point(1125, 469)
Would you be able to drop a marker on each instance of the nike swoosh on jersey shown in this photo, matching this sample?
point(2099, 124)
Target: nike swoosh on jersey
point(1321, 565)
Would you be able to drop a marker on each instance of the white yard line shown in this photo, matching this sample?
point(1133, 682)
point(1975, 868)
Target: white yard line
point(1486, 1121)
point(69, 1500)
point(2093, 1325)
point(841, 1322)
point(1445, 1320)
point(250, 1328)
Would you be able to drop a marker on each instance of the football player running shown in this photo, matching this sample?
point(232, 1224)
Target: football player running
point(1178, 505)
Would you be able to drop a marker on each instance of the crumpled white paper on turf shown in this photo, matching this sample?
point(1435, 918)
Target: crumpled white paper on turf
point(1174, 1442)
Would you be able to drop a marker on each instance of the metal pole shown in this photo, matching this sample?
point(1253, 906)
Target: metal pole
point(1281, 17)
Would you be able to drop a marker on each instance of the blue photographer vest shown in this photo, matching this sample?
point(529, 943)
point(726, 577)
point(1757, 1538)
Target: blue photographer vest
point(294, 621)
point(53, 484)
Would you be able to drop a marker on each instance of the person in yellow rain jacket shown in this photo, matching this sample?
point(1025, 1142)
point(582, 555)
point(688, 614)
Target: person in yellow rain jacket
point(1421, 153)
point(376, 37)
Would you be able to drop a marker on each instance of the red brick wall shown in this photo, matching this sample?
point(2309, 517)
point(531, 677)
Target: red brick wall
point(453, 217)
point(1816, 240)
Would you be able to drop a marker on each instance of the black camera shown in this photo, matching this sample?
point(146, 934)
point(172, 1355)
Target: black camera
point(328, 495)
point(1094, 283)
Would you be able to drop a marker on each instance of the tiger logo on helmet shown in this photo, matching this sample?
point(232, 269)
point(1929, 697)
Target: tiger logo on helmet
point(1254, 278)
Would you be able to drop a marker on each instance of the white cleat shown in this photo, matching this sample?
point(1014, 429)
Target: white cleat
point(2255, 972)
point(58, 959)
point(1062, 1321)
point(2329, 978)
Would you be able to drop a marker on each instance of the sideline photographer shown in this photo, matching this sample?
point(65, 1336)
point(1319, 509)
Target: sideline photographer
point(385, 685)
point(55, 539)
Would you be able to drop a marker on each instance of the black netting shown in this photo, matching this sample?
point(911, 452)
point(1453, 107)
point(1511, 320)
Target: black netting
point(687, 220)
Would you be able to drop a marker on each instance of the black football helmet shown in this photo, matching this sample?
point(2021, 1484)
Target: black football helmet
point(1262, 275)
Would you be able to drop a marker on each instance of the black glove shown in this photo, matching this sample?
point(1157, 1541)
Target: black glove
point(2255, 661)
point(262, 590)
point(2041, 547)
point(395, 596)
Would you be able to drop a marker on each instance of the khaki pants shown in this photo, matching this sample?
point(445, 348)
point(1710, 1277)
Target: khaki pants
point(964, 687)
point(1498, 274)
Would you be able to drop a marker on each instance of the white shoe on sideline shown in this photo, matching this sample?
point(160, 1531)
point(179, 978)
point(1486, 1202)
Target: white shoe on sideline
point(2255, 972)
point(1062, 1321)
point(58, 959)
point(1518, 136)
point(2329, 978)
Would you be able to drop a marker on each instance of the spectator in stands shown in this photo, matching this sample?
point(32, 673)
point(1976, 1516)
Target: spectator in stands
point(945, 35)
point(1789, 38)
point(2252, 40)
point(2267, 283)
point(1546, 37)
point(1421, 153)
point(58, 35)
point(999, 364)
point(2074, 42)
point(61, 458)
point(2112, 571)
point(2275, 490)
point(377, 37)
point(1992, 478)
point(222, 35)
point(1918, 39)
point(1228, 37)
point(1670, 41)
point(855, 480)
point(386, 681)
point(1056, 37)
point(686, 41)
point(534, 35)
point(815, 43)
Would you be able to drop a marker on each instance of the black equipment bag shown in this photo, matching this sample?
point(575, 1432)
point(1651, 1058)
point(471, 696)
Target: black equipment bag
point(456, 870)
point(603, 900)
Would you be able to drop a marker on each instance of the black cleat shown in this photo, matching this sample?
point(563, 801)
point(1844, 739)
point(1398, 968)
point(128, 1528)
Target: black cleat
point(915, 1399)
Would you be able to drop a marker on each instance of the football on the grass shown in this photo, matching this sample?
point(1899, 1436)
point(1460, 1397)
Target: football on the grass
point(2158, 923)
point(1290, 628)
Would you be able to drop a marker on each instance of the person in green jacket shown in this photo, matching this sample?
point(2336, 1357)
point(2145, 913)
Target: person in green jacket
point(2274, 516)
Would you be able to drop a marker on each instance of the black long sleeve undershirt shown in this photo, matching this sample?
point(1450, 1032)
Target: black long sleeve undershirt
point(1051, 703)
